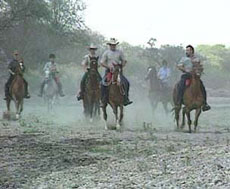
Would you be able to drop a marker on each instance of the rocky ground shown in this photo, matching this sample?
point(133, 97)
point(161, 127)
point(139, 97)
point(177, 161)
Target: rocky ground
point(62, 150)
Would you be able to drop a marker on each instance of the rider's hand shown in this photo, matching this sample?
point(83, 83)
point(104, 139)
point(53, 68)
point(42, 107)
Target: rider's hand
point(111, 68)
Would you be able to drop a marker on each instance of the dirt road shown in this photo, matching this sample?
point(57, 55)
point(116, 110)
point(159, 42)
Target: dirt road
point(62, 150)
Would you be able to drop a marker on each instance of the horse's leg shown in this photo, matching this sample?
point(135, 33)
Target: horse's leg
point(98, 108)
point(115, 111)
point(8, 105)
point(197, 115)
point(183, 117)
point(165, 105)
point(105, 116)
point(154, 105)
point(91, 106)
point(177, 116)
point(121, 114)
point(189, 120)
point(21, 106)
point(17, 105)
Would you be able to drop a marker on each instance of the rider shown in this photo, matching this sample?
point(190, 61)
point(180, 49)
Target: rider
point(164, 74)
point(52, 67)
point(186, 65)
point(110, 57)
point(12, 68)
point(85, 63)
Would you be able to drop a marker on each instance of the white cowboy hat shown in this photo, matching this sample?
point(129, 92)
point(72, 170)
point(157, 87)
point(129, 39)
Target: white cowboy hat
point(92, 46)
point(112, 41)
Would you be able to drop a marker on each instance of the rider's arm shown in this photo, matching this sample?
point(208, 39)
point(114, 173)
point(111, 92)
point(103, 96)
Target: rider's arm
point(104, 60)
point(123, 60)
point(181, 68)
point(85, 63)
point(22, 65)
point(159, 73)
point(11, 72)
point(45, 67)
point(168, 73)
point(11, 68)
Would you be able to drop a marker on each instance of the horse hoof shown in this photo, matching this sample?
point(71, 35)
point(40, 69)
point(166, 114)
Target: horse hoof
point(17, 116)
point(118, 126)
point(106, 126)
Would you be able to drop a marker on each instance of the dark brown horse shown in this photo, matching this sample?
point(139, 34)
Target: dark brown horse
point(157, 91)
point(91, 100)
point(192, 100)
point(116, 97)
point(17, 92)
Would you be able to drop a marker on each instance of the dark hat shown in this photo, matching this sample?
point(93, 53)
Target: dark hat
point(52, 56)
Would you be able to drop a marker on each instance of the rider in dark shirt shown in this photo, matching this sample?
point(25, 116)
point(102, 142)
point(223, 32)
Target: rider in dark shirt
point(12, 68)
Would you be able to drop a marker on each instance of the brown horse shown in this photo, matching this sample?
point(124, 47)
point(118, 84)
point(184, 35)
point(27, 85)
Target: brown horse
point(158, 92)
point(91, 100)
point(116, 97)
point(192, 100)
point(17, 92)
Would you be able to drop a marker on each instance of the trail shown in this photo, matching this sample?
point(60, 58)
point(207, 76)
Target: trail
point(62, 150)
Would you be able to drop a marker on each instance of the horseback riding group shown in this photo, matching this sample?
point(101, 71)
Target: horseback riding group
point(113, 89)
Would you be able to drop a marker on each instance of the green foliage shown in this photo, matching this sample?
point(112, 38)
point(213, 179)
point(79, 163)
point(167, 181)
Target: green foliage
point(216, 55)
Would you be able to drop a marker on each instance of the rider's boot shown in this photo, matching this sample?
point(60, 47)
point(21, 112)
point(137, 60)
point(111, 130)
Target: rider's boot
point(41, 88)
point(102, 103)
point(60, 90)
point(127, 101)
point(7, 94)
point(27, 94)
point(80, 96)
point(206, 107)
point(41, 91)
point(7, 97)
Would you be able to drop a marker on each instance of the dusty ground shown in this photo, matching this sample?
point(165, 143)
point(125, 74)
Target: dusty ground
point(62, 150)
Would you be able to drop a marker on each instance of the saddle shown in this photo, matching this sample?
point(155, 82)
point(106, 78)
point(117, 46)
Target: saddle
point(109, 77)
point(188, 82)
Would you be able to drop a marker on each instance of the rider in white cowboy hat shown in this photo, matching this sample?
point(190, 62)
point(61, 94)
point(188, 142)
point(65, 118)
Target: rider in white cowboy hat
point(109, 58)
point(85, 63)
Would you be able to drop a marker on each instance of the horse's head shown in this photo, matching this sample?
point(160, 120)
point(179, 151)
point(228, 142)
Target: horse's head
point(19, 69)
point(196, 74)
point(93, 65)
point(151, 72)
point(47, 74)
point(116, 71)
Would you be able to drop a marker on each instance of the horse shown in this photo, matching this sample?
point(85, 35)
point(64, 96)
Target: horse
point(91, 99)
point(17, 92)
point(116, 96)
point(158, 92)
point(50, 92)
point(192, 100)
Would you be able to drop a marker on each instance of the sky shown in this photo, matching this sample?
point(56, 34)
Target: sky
point(171, 22)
